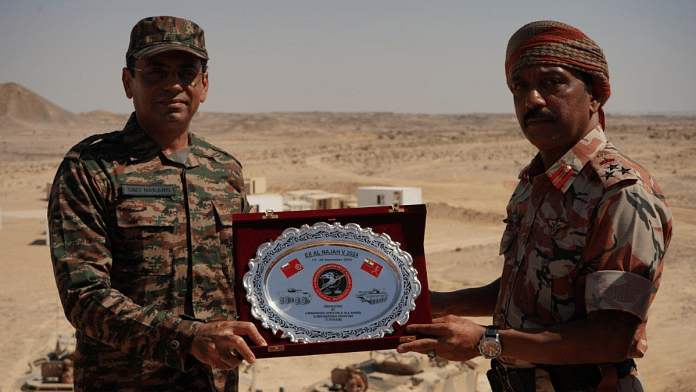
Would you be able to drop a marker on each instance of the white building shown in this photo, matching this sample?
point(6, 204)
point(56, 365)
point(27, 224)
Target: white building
point(371, 196)
point(314, 199)
point(266, 202)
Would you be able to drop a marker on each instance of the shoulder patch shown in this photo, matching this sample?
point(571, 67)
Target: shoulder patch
point(613, 168)
point(76, 150)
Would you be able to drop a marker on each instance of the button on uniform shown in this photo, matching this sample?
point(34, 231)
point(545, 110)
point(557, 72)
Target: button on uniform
point(173, 345)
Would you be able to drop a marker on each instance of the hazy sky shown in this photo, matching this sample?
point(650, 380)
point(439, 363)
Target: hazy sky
point(375, 55)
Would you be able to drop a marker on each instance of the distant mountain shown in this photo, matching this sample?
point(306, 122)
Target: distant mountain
point(18, 104)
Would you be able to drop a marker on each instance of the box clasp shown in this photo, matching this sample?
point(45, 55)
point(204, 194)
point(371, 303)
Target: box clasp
point(396, 208)
point(276, 349)
point(270, 215)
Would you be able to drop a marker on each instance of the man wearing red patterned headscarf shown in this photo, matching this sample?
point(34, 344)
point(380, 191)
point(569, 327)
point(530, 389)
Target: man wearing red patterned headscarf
point(587, 231)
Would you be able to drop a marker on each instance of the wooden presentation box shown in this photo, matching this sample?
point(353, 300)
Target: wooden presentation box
point(404, 225)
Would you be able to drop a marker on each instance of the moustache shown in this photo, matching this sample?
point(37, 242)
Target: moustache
point(539, 113)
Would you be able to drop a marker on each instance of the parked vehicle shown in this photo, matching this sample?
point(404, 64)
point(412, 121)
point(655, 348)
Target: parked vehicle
point(53, 371)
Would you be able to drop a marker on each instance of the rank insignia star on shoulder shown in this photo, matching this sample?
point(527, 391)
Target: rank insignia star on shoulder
point(608, 174)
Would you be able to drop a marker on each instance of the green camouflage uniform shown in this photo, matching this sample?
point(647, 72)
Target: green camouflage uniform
point(142, 253)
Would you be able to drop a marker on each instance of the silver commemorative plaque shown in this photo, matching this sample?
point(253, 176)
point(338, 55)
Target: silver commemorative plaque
point(331, 282)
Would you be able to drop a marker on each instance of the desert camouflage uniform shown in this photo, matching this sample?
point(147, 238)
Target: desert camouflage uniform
point(590, 233)
point(142, 249)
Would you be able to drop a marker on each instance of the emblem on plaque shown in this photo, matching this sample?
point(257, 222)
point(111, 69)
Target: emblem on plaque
point(331, 282)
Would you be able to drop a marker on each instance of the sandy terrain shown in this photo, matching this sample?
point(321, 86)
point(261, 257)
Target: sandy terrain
point(466, 166)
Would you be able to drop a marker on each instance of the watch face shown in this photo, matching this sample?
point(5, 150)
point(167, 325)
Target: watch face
point(490, 348)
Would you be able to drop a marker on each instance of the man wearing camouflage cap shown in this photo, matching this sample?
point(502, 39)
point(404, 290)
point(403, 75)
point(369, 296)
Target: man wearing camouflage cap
point(141, 237)
point(587, 231)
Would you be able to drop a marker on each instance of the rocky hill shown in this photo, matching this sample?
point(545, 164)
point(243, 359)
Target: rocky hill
point(21, 105)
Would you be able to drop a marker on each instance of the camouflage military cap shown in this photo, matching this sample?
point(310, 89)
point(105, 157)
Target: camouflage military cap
point(160, 34)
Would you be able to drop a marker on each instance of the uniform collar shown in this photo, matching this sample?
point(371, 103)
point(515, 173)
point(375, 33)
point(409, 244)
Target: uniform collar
point(195, 151)
point(142, 147)
point(565, 170)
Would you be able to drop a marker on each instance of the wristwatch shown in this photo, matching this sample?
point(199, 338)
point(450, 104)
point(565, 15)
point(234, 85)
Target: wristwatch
point(489, 345)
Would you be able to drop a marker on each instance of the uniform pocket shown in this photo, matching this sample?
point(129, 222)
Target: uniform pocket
point(553, 271)
point(224, 211)
point(147, 231)
point(512, 228)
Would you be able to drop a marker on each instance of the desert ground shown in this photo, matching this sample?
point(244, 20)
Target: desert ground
point(466, 166)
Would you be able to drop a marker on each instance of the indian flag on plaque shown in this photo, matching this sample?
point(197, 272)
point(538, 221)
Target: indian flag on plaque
point(371, 267)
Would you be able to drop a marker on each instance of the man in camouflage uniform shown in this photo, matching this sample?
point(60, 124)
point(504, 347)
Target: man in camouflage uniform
point(141, 236)
point(587, 230)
